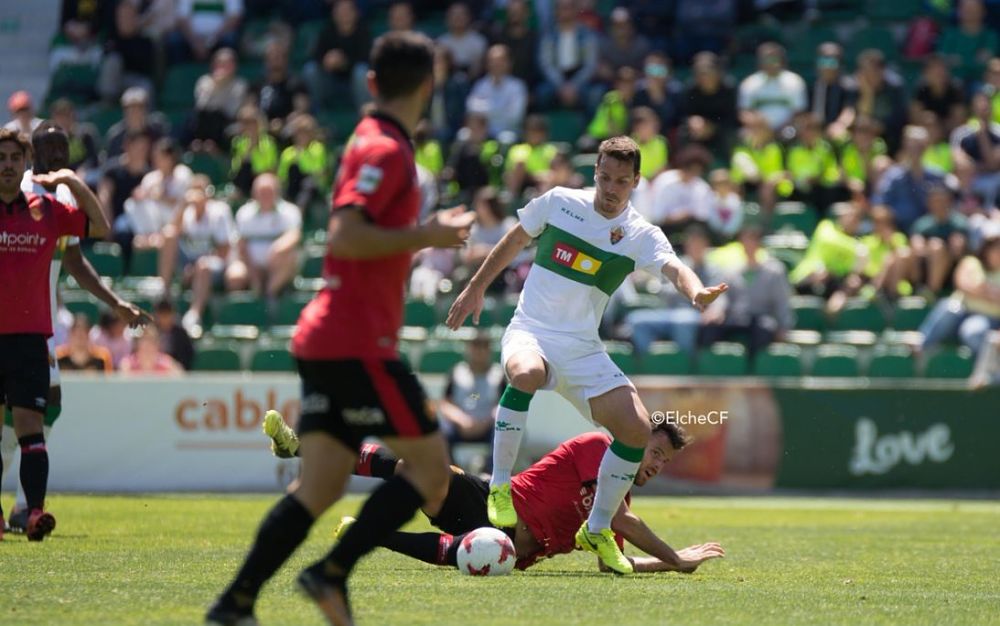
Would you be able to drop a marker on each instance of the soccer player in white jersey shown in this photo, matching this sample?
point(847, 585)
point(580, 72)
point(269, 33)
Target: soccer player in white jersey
point(588, 242)
point(51, 154)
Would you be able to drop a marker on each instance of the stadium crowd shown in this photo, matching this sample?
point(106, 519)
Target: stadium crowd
point(822, 160)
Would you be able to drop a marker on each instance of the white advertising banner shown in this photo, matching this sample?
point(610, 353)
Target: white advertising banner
point(203, 432)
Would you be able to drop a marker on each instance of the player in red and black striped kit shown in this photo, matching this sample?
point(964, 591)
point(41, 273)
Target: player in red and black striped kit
point(30, 226)
point(353, 383)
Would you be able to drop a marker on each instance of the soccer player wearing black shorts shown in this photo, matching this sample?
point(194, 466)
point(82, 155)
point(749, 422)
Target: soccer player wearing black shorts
point(50, 146)
point(30, 226)
point(353, 382)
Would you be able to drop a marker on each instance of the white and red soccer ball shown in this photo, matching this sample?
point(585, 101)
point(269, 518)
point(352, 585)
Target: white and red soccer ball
point(486, 552)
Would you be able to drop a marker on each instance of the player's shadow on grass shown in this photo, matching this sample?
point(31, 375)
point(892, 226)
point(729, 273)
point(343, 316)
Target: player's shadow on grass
point(569, 574)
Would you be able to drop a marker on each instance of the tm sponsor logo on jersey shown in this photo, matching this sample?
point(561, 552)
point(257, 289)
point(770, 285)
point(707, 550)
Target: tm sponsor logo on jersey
point(26, 242)
point(569, 256)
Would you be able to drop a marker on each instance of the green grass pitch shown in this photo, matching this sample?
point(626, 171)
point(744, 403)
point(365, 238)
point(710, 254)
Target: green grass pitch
point(161, 559)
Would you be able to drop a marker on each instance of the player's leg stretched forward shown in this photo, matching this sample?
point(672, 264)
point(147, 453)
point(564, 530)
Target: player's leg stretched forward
point(377, 461)
point(326, 465)
point(621, 412)
point(527, 374)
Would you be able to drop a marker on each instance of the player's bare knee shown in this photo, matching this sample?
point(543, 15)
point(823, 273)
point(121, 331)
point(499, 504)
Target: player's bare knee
point(527, 375)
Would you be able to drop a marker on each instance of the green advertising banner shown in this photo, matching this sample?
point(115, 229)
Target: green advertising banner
point(906, 437)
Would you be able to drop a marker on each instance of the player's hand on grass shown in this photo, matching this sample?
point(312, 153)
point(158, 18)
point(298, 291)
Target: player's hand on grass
point(708, 295)
point(132, 315)
point(694, 556)
point(449, 228)
point(469, 302)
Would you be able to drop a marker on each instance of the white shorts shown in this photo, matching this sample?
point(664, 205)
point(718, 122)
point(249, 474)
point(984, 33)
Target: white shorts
point(53, 364)
point(578, 371)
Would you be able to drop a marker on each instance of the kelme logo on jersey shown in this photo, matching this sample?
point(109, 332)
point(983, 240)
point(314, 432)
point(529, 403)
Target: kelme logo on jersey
point(569, 256)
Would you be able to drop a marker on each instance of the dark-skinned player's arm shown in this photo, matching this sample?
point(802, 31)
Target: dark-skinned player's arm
point(85, 198)
point(662, 557)
point(688, 284)
point(80, 268)
point(352, 236)
point(471, 300)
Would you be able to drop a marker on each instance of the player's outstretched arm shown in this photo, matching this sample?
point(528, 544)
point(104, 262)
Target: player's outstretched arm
point(662, 557)
point(99, 226)
point(352, 236)
point(470, 301)
point(688, 283)
point(80, 268)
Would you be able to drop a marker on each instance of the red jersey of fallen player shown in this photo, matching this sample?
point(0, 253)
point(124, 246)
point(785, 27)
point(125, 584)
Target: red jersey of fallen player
point(359, 312)
point(30, 227)
point(554, 496)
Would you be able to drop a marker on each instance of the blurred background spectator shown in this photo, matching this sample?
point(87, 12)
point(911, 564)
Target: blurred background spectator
point(78, 354)
point(471, 395)
point(148, 358)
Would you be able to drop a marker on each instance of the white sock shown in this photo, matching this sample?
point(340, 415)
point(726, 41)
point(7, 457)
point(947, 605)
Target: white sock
point(512, 417)
point(614, 478)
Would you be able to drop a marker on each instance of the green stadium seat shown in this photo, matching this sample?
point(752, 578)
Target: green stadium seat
point(234, 332)
point(338, 124)
point(859, 338)
point(75, 82)
point(779, 359)
point(250, 71)
point(216, 357)
point(215, 167)
point(585, 164)
point(836, 360)
point(722, 359)
point(178, 85)
point(83, 303)
point(313, 265)
point(796, 216)
point(802, 46)
point(665, 358)
point(891, 362)
point(803, 337)
point(439, 359)
point(272, 358)
point(950, 363)
point(306, 35)
point(809, 313)
point(621, 353)
point(909, 313)
point(419, 313)
point(103, 118)
point(877, 37)
point(289, 308)
point(242, 309)
point(894, 10)
point(504, 312)
point(106, 259)
point(860, 314)
point(144, 262)
point(565, 126)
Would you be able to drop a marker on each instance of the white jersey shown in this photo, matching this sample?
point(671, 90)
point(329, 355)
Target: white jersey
point(64, 195)
point(582, 258)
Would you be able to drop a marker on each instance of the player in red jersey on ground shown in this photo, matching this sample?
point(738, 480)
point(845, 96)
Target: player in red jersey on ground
point(552, 498)
point(353, 383)
point(30, 227)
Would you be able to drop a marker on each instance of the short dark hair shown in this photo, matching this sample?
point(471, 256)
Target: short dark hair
point(49, 131)
point(6, 134)
point(621, 148)
point(164, 305)
point(402, 61)
point(675, 433)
